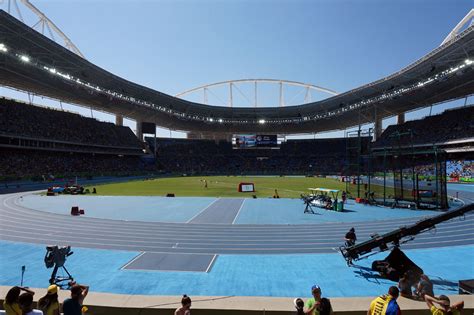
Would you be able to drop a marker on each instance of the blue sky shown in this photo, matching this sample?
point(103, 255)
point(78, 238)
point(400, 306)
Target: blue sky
point(172, 46)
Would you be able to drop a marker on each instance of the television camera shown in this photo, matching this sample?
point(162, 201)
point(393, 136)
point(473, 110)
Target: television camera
point(394, 238)
point(56, 257)
point(308, 201)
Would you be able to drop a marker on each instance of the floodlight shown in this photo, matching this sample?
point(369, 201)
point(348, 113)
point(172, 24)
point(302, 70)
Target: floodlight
point(52, 70)
point(25, 58)
point(220, 120)
point(3, 48)
point(261, 121)
point(468, 61)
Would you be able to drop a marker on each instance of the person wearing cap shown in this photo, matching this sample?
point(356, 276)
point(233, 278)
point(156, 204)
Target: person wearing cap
point(444, 305)
point(49, 303)
point(73, 305)
point(385, 304)
point(316, 305)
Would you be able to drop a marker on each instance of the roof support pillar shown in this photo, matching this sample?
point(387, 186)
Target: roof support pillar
point(119, 120)
point(377, 125)
point(400, 118)
point(139, 131)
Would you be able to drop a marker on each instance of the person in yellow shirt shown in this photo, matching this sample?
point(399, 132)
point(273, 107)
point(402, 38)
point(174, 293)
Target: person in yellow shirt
point(49, 303)
point(10, 304)
point(385, 304)
point(444, 305)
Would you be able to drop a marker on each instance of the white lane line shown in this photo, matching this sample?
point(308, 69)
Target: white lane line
point(111, 222)
point(238, 212)
point(207, 241)
point(211, 263)
point(294, 250)
point(203, 210)
point(14, 233)
point(145, 231)
point(131, 261)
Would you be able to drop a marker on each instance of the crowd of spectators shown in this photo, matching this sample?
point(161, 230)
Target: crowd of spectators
point(18, 164)
point(454, 124)
point(294, 157)
point(20, 119)
point(18, 304)
point(460, 169)
point(41, 143)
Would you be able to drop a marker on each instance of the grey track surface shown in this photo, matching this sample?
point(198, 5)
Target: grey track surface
point(222, 211)
point(31, 226)
point(171, 262)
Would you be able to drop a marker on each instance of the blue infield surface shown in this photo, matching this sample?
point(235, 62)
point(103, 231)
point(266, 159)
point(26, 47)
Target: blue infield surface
point(242, 275)
point(204, 210)
point(149, 209)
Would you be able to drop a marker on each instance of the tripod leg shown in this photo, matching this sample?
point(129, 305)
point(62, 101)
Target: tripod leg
point(53, 275)
point(70, 277)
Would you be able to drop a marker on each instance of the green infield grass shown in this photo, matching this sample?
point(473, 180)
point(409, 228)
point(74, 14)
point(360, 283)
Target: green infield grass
point(223, 186)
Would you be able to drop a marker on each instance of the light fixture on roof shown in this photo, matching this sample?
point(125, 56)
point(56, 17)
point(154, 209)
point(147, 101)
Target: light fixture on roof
point(25, 58)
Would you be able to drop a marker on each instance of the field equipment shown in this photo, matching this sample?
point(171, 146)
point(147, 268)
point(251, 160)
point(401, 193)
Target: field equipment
point(396, 237)
point(56, 257)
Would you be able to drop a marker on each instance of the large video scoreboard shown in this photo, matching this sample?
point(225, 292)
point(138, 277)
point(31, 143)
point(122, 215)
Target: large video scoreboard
point(254, 141)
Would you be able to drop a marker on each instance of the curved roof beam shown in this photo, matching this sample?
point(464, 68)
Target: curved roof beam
point(294, 83)
point(469, 18)
point(43, 22)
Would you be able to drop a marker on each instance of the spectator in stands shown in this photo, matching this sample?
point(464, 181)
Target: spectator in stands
point(10, 304)
point(351, 237)
point(444, 305)
point(385, 304)
point(73, 305)
point(425, 286)
point(49, 303)
point(185, 308)
point(26, 304)
point(317, 305)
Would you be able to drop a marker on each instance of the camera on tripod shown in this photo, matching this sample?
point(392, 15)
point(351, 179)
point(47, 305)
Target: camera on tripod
point(56, 257)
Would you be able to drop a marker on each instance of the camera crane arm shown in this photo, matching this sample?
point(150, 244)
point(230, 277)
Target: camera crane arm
point(359, 251)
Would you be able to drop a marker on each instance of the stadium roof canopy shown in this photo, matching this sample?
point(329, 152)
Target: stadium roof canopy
point(32, 62)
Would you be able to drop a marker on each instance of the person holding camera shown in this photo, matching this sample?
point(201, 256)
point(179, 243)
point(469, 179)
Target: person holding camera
point(73, 305)
point(350, 237)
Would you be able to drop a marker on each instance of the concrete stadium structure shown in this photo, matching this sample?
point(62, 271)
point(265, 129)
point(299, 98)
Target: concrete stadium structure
point(32, 62)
